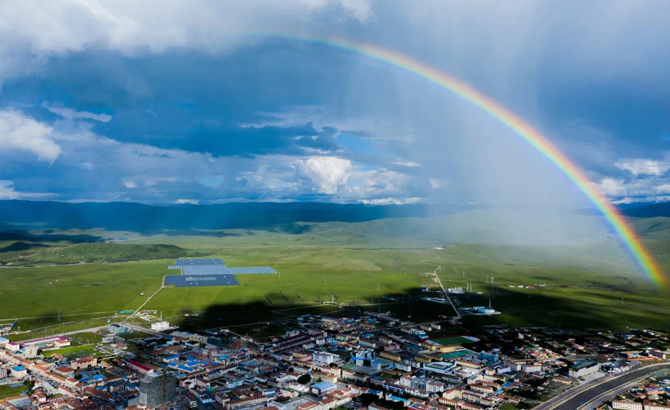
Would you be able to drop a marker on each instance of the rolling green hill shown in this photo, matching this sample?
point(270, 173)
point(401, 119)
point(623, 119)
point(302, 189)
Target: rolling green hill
point(92, 252)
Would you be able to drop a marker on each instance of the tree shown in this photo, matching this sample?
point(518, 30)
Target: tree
point(304, 379)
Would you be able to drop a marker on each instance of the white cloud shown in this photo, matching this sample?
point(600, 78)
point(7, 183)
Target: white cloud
point(187, 201)
point(130, 184)
point(20, 132)
point(612, 187)
point(633, 200)
point(391, 201)
point(328, 173)
point(129, 26)
point(153, 181)
point(72, 114)
point(321, 117)
point(435, 183)
point(359, 9)
point(87, 165)
point(409, 164)
point(643, 166)
point(639, 190)
point(146, 181)
point(7, 191)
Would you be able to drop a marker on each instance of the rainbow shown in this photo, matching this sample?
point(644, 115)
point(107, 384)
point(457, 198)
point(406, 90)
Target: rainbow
point(511, 120)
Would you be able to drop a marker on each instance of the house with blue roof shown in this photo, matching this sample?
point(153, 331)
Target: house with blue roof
point(323, 388)
point(19, 372)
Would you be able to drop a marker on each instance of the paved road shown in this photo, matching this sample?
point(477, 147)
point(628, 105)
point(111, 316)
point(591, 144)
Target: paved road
point(611, 385)
point(554, 402)
point(446, 294)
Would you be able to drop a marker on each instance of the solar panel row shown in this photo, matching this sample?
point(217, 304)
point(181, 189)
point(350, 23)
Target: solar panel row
point(223, 270)
point(185, 281)
point(187, 262)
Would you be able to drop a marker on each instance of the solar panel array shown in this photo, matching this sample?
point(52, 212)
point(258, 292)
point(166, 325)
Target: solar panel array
point(249, 271)
point(197, 262)
point(216, 267)
point(210, 272)
point(182, 281)
point(203, 269)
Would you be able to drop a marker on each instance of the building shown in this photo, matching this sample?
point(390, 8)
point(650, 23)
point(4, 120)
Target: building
point(583, 368)
point(139, 367)
point(158, 389)
point(532, 367)
point(661, 354)
point(19, 372)
point(325, 357)
point(160, 326)
point(117, 329)
point(488, 357)
point(655, 406)
point(84, 363)
point(440, 367)
point(626, 405)
point(3, 372)
point(323, 388)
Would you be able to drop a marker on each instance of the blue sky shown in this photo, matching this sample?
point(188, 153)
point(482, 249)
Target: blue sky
point(185, 102)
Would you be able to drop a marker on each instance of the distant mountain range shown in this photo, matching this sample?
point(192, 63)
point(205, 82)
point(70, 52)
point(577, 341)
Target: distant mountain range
point(125, 216)
point(647, 210)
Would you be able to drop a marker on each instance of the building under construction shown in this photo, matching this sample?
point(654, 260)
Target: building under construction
point(158, 389)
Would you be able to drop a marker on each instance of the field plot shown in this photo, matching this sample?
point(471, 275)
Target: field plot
point(40, 293)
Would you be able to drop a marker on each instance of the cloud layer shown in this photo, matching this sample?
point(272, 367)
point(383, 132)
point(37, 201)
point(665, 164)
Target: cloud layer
point(176, 102)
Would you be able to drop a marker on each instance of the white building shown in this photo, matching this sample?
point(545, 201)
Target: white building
point(325, 357)
point(584, 368)
point(160, 326)
point(532, 367)
point(626, 405)
point(440, 367)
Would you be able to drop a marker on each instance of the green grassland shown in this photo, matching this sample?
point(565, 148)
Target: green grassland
point(8, 391)
point(64, 254)
point(362, 264)
point(40, 292)
point(72, 352)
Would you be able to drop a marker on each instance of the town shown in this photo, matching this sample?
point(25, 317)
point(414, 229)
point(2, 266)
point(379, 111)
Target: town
point(368, 360)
